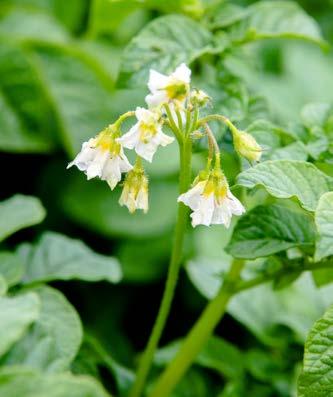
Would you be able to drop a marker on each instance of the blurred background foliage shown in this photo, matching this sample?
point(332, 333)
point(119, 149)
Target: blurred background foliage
point(68, 69)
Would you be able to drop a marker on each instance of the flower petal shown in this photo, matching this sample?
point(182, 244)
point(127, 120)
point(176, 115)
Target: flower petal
point(182, 73)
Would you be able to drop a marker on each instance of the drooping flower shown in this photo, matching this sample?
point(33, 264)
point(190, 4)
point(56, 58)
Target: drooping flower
point(135, 191)
point(169, 89)
point(212, 201)
point(146, 135)
point(102, 157)
point(246, 145)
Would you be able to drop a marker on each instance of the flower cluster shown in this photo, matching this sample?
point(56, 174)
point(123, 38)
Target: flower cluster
point(170, 102)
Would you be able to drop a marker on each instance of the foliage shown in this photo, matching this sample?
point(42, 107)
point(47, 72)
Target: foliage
point(81, 278)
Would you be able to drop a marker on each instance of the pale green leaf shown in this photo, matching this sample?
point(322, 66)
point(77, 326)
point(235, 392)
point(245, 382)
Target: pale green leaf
point(25, 382)
point(225, 14)
point(11, 267)
point(16, 315)
point(19, 212)
point(277, 19)
point(293, 151)
point(324, 222)
point(287, 179)
point(26, 23)
point(3, 286)
point(316, 379)
point(55, 337)
point(266, 230)
point(162, 45)
point(57, 257)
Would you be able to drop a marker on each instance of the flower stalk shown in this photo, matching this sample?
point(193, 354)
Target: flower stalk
point(185, 152)
point(199, 334)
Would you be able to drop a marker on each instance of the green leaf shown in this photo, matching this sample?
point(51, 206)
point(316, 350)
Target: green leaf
point(162, 45)
point(26, 120)
point(54, 339)
point(278, 19)
point(315, 114)
point(16, 315)
point(217, 354)
point(316, 379)
point(225, 14)
point(19, 212)
point(25, 382)
point(3, 286)
point(287, 179)
point(80, 100)
point(11, 267)
point(24, 24)
point(57, 257)
point(93, 205)
point(324, 222)
point(266, 230)
point(294, 151)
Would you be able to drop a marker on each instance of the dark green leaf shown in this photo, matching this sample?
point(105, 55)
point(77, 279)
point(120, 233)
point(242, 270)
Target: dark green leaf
point(316, 379)
point(162, 45)
point(266, 230)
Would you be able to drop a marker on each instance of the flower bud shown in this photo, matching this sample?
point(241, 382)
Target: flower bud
point(135, 191)
point(199, 98)
point(246, 145)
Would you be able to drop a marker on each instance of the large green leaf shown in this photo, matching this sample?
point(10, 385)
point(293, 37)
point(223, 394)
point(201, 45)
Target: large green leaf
point(19, 212)
point(324, 222)
point(287, 178)
point(11, 267)
point(93, 205)
point(316, 379)
point(25, 382)
point(275, 19)
point(162, 45)
point(16, 315)
point(57, 257)
point(266, 230)
point(55, 337)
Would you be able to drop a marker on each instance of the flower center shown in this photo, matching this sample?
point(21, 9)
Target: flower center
point(107, 142)
point(147, 130)
point(217, 185)
point(177, 89)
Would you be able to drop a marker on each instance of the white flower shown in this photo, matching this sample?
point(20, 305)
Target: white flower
point(146, 135)
point(165, 89)
point(102, 157)
point(135, 192)
point(212, 203)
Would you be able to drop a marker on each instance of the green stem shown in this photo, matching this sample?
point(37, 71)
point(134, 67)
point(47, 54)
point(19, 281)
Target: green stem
point(185, 149)
point(217, 117)
point(198, 335)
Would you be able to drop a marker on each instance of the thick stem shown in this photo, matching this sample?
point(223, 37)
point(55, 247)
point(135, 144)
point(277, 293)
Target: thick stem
point(173, 272)
point(198, 335)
